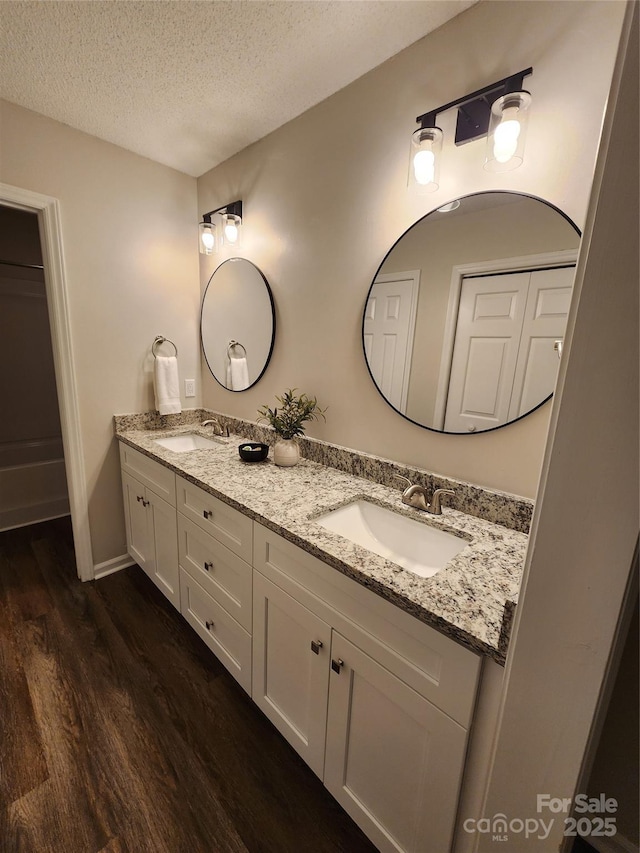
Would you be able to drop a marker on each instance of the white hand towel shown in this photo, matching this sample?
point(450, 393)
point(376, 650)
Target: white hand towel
point(237, 374)
point(166, 385)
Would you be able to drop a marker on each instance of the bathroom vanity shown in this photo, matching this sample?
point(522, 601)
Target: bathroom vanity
point(368, 670)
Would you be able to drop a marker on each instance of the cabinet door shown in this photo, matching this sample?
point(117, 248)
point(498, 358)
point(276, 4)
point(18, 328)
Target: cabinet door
point(135, 512)
point(162, 565)
point(291, 669)
point(393, 760)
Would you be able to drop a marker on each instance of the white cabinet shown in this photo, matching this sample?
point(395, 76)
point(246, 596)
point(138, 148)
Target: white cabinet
point(230, 643)
point(376, 702)
point(291, 648)
point(161, 480)
point(226, 524)
point(152, 535)
point(216, 581)
point(136, 519)
point(393, 760)
point(218, 570)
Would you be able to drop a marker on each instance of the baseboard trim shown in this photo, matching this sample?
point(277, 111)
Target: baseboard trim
point(616, 844)
point(101, 570)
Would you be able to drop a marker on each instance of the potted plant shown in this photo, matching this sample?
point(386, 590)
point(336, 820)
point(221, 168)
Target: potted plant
point(288, 421)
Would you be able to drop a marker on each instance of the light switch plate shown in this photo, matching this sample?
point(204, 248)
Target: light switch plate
point(189, 387)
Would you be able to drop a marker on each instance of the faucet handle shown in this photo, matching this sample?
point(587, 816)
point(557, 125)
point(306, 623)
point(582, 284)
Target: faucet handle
point(406, 479)
point(434, 506)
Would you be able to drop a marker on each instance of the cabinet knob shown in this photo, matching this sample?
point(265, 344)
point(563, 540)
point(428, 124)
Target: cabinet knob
point(316, 645)
point(209, 625)
point(139, 498)
point(336, 665)
point(207, 513)
point(144, 503)
point(208, 567)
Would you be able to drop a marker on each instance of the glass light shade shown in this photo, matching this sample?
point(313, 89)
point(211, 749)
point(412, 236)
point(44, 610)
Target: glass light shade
point(507, 132)
point(207, 241)
point(231, 229)
point(424, 163)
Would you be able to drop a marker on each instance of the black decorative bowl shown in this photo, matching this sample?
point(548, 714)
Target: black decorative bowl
point(253, 451)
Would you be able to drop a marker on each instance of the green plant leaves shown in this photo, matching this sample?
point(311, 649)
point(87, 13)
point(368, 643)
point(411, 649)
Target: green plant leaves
point(294, 411)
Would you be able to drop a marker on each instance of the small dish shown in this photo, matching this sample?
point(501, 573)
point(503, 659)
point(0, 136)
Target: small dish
point(253, 451)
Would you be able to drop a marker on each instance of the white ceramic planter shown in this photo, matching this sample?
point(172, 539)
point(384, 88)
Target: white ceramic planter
point(286, 452)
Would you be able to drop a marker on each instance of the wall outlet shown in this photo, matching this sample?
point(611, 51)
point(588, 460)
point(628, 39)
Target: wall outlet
point(189, 387)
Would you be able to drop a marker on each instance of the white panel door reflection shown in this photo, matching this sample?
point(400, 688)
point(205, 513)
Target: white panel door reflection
point(389, 323)
point(504, 362)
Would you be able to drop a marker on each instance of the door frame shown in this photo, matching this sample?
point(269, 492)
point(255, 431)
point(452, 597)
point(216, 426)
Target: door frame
point(543, 260)
point(49, 221)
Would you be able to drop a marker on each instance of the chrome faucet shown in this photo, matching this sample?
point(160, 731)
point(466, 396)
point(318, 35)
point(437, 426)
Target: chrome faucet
point(215, 426)
point(416, 496)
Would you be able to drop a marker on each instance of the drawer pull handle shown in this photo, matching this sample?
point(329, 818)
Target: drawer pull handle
point(336, 665)
point(208, 567)
point(316, 645)
point(209, 625)
point(207, 513)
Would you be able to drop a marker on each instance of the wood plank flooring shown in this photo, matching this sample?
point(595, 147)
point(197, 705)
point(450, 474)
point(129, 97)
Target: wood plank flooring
point(121, 733)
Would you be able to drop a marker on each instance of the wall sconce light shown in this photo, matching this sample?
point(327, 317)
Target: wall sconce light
point(498, 111)
point(507, 132)
point(231, 222)
point(424, 165)
point(207, 233)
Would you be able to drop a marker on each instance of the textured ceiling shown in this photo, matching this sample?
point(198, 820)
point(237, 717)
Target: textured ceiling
point(190, 82)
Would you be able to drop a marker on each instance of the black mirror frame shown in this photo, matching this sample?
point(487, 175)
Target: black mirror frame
point(273, 325)
point(382, 263)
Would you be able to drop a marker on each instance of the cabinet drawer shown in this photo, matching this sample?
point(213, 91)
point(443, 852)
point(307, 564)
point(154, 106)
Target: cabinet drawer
point(217, 518)
point(228, 640)
point(220, 572)
point(437, 667)
point(149, 472)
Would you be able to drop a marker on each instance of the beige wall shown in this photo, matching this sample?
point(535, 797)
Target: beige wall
point(325, 198)
point(129, 235)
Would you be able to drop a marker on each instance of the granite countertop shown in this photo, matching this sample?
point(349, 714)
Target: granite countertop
point(470, 599)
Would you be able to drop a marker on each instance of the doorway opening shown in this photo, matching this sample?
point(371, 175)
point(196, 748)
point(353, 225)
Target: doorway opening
point(33, 484)
point(47, 211)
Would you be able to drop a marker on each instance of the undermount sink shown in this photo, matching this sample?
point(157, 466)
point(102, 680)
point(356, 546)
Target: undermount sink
point(417, 547)
point(189, 441)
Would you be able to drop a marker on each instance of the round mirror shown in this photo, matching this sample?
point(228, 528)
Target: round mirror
point(464, 322)
point(237, 324)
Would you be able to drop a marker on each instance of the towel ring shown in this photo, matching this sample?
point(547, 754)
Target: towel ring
point(235, 344)
point(160, 339)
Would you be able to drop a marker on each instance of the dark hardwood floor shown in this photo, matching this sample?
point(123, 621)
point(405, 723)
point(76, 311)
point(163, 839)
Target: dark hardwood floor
point(121, 732)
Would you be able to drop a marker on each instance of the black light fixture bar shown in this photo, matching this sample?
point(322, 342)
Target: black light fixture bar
point(474, 109)
point(235, 209)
